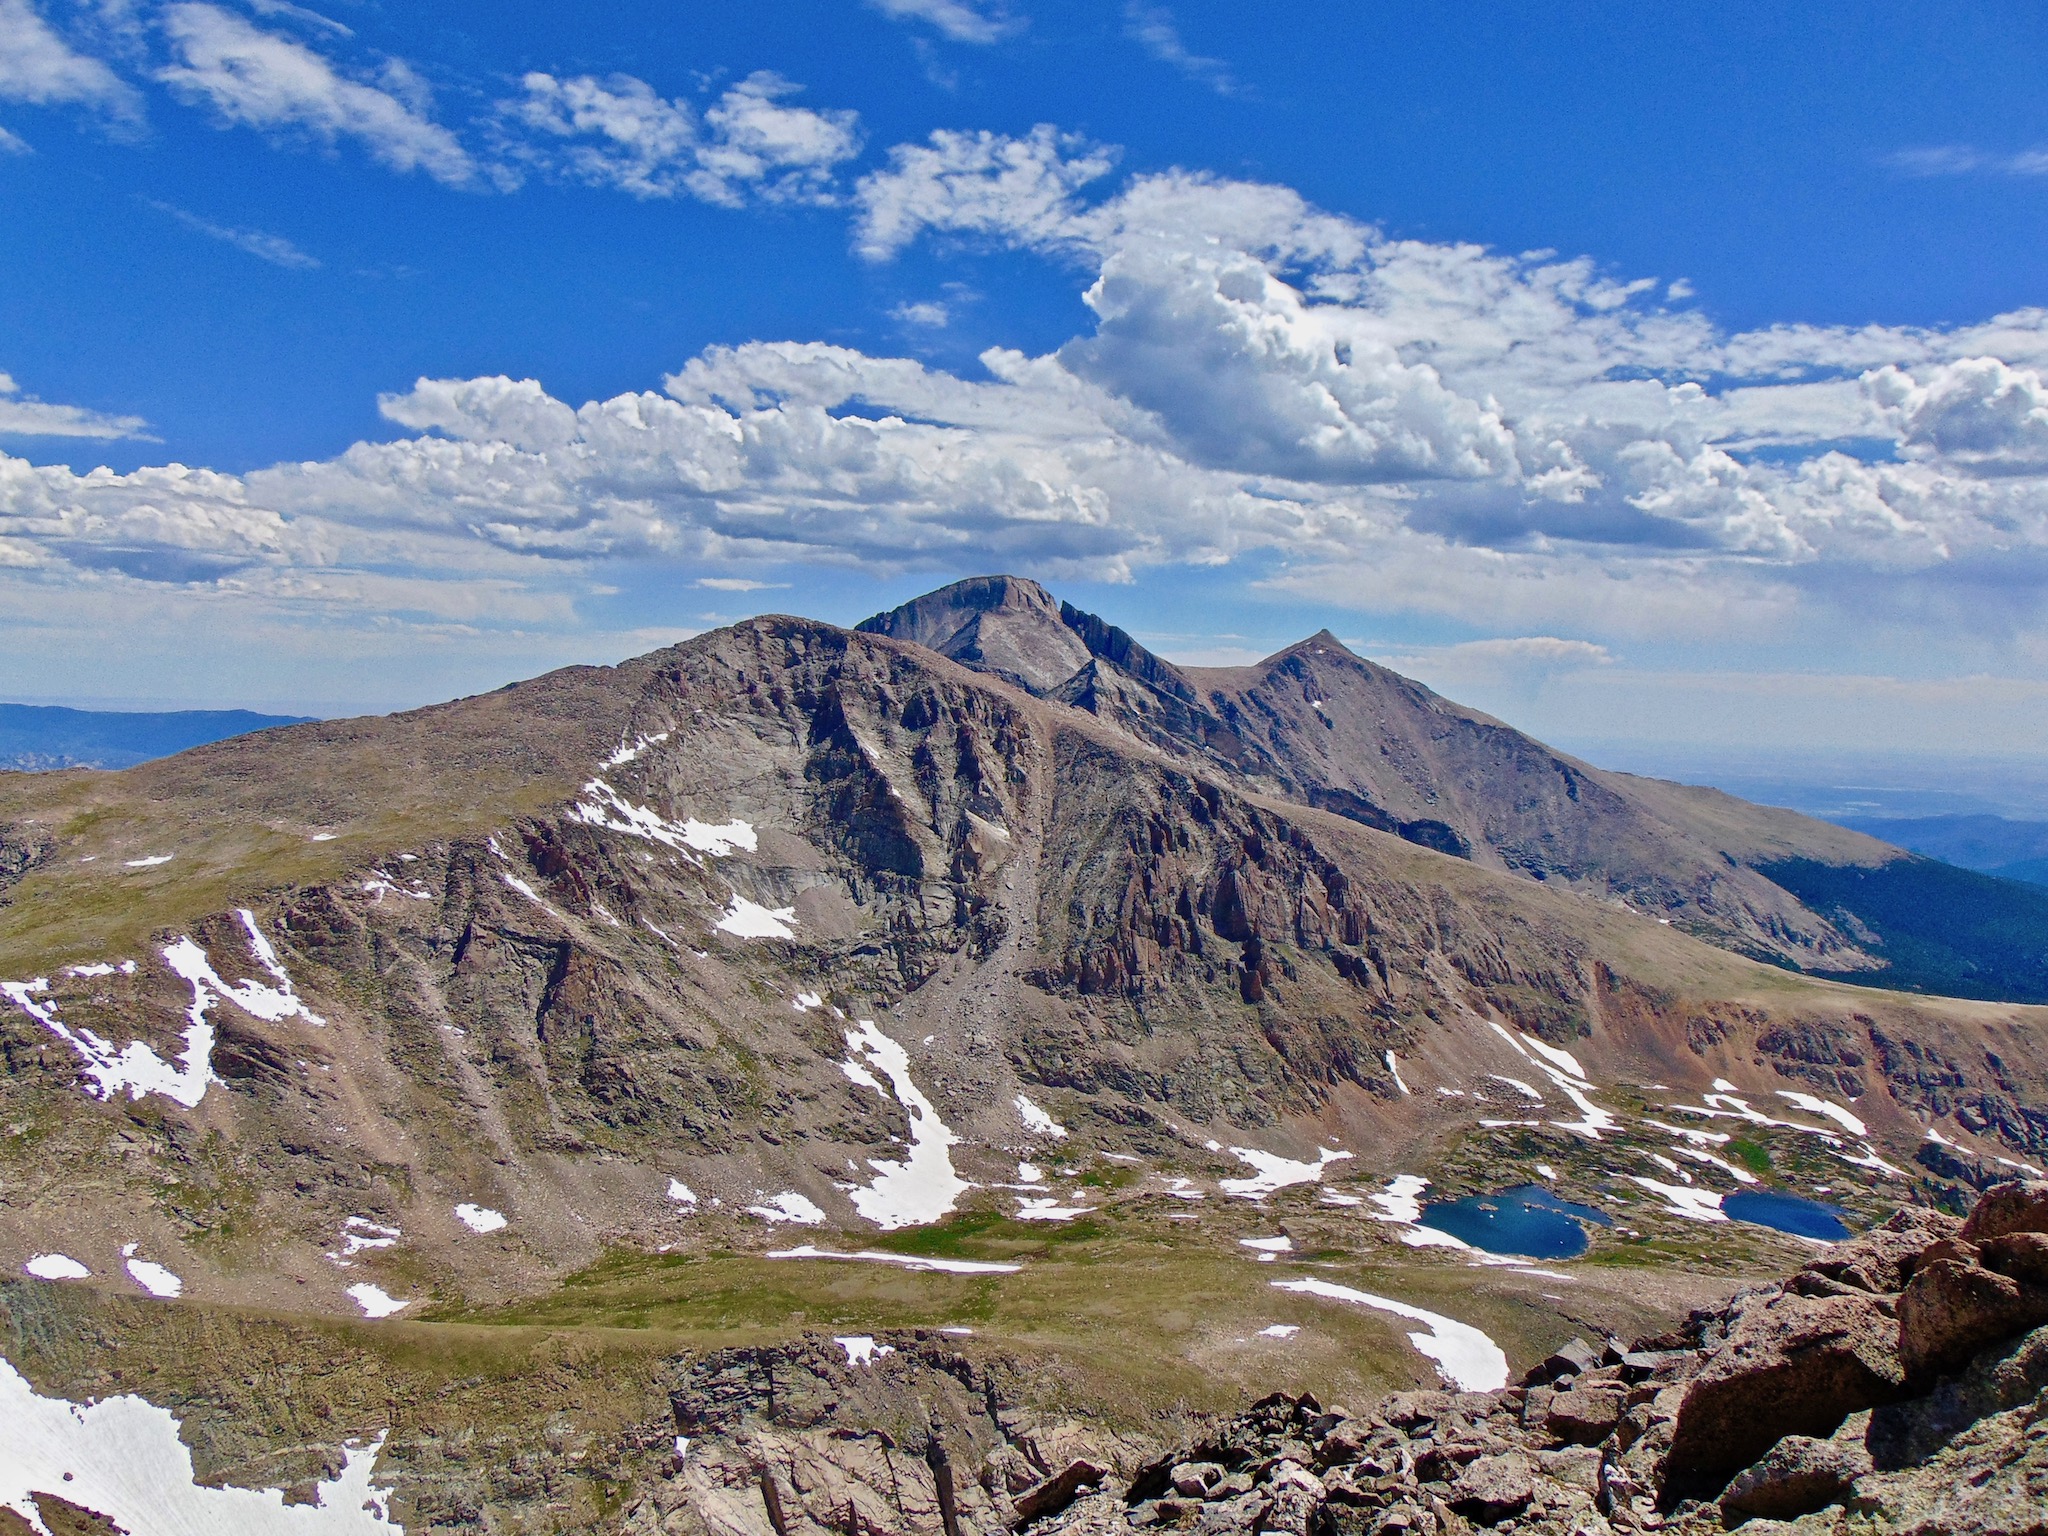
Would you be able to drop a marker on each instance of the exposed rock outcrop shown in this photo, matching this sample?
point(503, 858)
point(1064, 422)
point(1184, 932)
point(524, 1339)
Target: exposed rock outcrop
point(1794, 1402)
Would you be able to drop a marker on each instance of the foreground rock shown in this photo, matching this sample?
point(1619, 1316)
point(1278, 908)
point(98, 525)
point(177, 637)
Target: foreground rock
point(1898, 1384)
point(1893, 1385)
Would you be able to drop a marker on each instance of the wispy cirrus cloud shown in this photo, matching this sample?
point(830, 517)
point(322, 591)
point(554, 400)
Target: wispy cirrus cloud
point(1153, 27)
point(38, 67)
point(270, 82)
point(959, 21)
point(275, 249)
point(1967, 160)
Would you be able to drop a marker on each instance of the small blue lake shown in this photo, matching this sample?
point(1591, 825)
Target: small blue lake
point(1786, 1213)
point(1528, 1221)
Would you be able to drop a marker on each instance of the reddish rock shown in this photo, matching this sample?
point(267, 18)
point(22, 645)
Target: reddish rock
point(1792, 1365)
point(1795, 1477)
point(1954, 1306)
point(1585, 1415)
point(1494, 1487)
point(2022, 1255)
point(2019, 1206)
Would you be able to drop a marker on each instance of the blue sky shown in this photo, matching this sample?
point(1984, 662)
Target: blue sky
point(1663, 377)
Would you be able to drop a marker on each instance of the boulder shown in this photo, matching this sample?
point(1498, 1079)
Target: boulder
point(1881, 1260)
point(1795, 1477)
point(1574, 1359)
point(1791, 1365)
point(1954, 1306)
point(2022, 1255)
point(1494, 1487)
point(1194, 1479)
point(2018, 1206)
point(1584, 1415)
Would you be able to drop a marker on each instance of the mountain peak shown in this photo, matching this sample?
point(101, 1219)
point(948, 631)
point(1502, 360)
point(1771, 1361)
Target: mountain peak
point(1008, 625)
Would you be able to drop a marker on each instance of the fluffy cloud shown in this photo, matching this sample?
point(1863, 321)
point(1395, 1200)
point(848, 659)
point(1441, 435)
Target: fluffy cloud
point(26, 416)
point(1518, 443)
point(1016, 190)
point(263, 80)
point(37, 66)
point(618, 132)
point(1977, 412)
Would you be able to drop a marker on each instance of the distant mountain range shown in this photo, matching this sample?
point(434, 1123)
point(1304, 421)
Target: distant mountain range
point(36, 738)
point(1995, 845)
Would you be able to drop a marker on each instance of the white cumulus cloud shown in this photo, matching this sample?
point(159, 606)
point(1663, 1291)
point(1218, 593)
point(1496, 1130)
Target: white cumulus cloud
point(620, 132)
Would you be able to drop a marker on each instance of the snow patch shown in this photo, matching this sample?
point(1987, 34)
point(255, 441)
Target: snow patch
point(155, 1279)
point(1689, 1201)
point(358, 1233)
point(1401, 1200)
point(681, 1193)
point(1037, 1121)
point(1563, 1060)
point(55, 1266)
point(151, 862)
point(1276, 1172)
point(605, 807)
point(806, 1001)
point(788, 1207)
point(122, 1459)
point(627, 753)
point(1819, 1106)
point(746, 919)
point(1279, 1330)
point(1518, 1085)
point(1047, 1208)
point(480, 1218)
point(374, 1302)
point(1739, 1175)
point(923, 1187)
point(1269, 1248)
point(1394, 1067)
point(1466, 1358)
point(862, 1349)
point(136, 1068)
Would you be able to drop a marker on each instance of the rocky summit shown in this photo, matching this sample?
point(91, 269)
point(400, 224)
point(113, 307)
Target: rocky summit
point(951, 1074)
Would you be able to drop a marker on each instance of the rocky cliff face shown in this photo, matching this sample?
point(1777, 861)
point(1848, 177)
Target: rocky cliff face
point(557, 951)
point(1319, 726)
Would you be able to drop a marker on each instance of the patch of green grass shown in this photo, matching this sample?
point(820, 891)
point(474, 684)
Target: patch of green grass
point(1753, 1155)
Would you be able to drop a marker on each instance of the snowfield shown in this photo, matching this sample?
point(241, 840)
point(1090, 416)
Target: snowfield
point(122, 1459)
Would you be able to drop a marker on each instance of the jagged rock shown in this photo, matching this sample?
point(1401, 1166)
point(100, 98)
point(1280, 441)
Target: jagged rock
point(1796, 1476)
point(1953, 1306)
point(1194, 1479)
point(2019, 1206)
point(1573, 1359)
point(1056, 1492)
point(1791, 1365)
